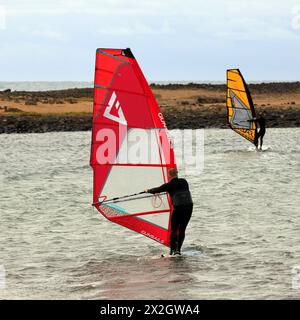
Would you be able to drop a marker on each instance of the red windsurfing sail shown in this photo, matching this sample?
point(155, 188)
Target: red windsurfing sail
point(131, 148)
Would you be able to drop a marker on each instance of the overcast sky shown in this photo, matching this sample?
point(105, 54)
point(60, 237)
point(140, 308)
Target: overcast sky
point(171, 39)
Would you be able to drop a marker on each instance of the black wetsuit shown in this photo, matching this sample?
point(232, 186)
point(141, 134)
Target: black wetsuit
point(178, 190)
point(262, 130)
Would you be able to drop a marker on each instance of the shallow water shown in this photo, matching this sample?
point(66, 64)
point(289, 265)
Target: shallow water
point(242, 241)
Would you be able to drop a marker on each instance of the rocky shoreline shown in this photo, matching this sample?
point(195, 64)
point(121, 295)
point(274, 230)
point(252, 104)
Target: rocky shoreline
point(175, 120)
point(41, 124)
point(189, 106)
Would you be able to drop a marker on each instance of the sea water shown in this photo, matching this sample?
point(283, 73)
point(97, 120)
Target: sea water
point(243, 240)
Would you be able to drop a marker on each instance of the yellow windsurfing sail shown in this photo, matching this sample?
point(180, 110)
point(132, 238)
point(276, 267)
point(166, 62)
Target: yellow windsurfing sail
point(240, 106)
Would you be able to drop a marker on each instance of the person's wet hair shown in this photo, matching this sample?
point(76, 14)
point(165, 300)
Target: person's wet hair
point(173, 173)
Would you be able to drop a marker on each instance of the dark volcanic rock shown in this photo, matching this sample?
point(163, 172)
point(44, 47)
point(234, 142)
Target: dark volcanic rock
point(175, 119)
point(39, 124)
point(7, 91)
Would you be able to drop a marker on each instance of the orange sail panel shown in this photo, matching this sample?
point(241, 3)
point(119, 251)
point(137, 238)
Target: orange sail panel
point(131, 147)
point(240, 106)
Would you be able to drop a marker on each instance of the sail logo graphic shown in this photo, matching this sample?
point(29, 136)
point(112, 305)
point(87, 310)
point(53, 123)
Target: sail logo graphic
point(114, 105)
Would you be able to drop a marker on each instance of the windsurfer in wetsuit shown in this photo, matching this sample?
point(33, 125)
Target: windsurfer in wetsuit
point(261, 122)
point(178, 190)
